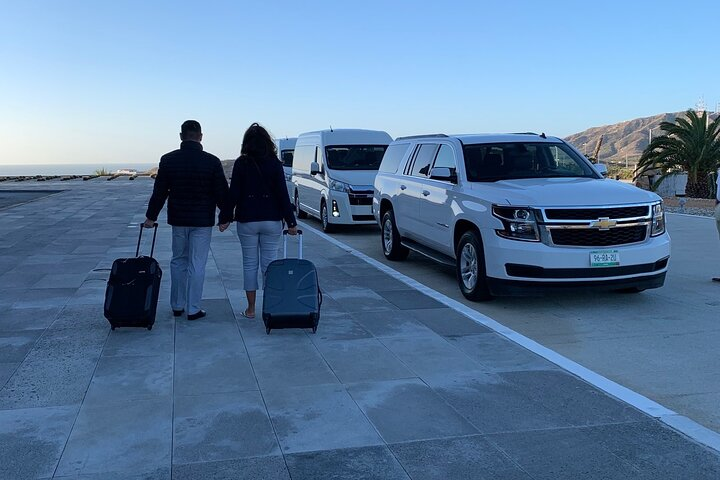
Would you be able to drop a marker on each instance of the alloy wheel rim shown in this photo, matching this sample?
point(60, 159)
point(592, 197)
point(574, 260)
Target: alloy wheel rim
point(469, 266)
point(324, 215)
point(387, 236)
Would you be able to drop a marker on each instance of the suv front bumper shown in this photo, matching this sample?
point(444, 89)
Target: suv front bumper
point(516, 267)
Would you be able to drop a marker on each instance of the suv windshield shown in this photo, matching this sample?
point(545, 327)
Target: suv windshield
point(490, 162)
point(354, 157)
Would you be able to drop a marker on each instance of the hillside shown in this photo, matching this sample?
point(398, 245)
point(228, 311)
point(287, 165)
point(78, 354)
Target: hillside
point(624, 141)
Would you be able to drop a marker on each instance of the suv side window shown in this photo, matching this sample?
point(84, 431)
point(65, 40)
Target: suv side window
point(423, 160)
point(393, 156)
point(446, 158)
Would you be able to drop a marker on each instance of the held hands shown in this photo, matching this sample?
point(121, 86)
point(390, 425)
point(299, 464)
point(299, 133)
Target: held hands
point(292, 230)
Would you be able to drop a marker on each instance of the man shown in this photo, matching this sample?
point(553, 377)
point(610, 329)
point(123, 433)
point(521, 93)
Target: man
point(193, 182)
point(717, 211)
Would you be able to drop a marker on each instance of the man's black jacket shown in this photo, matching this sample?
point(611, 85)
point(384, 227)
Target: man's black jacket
point(193, 182)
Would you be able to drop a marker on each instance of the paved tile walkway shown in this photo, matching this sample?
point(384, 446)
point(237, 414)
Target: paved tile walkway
point(393, 386)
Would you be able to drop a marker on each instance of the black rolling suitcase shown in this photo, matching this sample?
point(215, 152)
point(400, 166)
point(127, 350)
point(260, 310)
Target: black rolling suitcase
point(292, 297)
point(132, 290)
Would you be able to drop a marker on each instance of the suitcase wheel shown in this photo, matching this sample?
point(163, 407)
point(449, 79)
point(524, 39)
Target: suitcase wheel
point(314, 329)
point(267, 330)
point(149, 327)
point(112, 327)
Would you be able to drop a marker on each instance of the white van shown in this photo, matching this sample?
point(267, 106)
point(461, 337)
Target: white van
point(285, 150)
point(333, 173)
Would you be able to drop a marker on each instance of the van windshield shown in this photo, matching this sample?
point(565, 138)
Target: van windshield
point(354, 157)
point(286, 156)
point(491, 162)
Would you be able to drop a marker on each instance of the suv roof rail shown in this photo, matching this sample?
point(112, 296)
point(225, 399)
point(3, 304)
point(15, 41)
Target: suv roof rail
point(432, 135)
point(524, 133)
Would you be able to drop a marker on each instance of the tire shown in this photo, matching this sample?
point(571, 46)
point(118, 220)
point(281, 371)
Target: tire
point(390, 238)
point(470, 268)
point(300, 214)
point(326, 225)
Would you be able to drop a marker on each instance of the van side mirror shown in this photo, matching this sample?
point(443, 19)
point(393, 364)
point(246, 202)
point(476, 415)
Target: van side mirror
point(601, 169)
point(443, 173)
point(314, 168)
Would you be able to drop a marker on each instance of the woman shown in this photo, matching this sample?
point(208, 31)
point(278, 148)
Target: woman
point(259, 203)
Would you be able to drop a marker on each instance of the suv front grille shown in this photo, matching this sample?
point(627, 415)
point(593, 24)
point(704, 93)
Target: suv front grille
point(595, 213)
point(591, 237)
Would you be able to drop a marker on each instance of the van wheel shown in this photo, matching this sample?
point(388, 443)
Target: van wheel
point(470, 268)
point(298, 212)
point(326, 225)
point(392, 248)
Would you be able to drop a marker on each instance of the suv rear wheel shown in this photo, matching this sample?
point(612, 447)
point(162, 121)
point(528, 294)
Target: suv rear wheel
point(298, 212)
point(390, 236)
point(470, 267)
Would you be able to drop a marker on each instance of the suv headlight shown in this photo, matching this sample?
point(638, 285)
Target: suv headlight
point(339, 186)
point(520, 223)
point(658, 220)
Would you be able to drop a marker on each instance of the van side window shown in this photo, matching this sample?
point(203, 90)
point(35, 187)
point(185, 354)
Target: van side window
point(302, 157)
point(423, 159)
point(319, 160)
point(393, 156)
point(446, 158)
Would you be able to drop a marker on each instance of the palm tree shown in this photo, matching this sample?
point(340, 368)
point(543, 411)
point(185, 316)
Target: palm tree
point(691, 145)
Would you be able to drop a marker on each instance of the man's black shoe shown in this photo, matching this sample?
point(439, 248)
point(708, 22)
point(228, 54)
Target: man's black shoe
point(716, 279)
point(197, 315)
point(177, 313)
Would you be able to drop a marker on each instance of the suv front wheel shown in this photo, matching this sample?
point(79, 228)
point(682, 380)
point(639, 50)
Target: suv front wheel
point(470, 267)
point(392, 248)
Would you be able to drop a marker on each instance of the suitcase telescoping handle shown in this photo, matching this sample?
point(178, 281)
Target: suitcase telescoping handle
point(285, 235)
point(152, 249)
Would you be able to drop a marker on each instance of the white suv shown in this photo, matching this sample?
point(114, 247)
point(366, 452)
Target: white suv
point(518, 213)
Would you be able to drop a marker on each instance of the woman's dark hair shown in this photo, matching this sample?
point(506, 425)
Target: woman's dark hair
point(257, 142)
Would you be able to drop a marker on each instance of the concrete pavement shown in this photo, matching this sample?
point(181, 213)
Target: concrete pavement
point(394, 385)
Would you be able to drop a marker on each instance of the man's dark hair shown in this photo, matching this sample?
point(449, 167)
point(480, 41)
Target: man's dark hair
point(257, 142)
point(190, 130)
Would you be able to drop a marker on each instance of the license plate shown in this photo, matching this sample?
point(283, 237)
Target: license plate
point(604, 258)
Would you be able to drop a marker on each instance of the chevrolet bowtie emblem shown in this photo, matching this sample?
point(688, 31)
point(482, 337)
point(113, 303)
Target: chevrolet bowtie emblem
point(603, 223)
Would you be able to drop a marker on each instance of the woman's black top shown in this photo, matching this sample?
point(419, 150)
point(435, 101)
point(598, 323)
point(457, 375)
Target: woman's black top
point(258, 192)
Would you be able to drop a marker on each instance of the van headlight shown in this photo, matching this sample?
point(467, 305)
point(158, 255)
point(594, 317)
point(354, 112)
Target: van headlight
point(339, 186)
point(658, 220)
point(520, 223)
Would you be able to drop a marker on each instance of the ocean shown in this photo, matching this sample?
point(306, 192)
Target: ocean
point(71, 168)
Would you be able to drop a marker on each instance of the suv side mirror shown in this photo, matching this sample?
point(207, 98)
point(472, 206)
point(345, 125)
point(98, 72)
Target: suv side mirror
point(314, 168)
point(601, 169)
point(443, 173)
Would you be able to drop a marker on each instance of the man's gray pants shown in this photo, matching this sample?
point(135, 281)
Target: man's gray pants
point(258, 239)
point(190, 247)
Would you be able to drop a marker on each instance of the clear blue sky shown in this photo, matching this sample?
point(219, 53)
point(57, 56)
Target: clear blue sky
point(95, 81)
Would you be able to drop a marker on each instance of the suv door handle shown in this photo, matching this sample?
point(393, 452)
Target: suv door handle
point(402, 187)
point(425, 193)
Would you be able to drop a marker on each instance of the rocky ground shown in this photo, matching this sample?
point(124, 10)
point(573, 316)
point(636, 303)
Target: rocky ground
point(691, 206)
